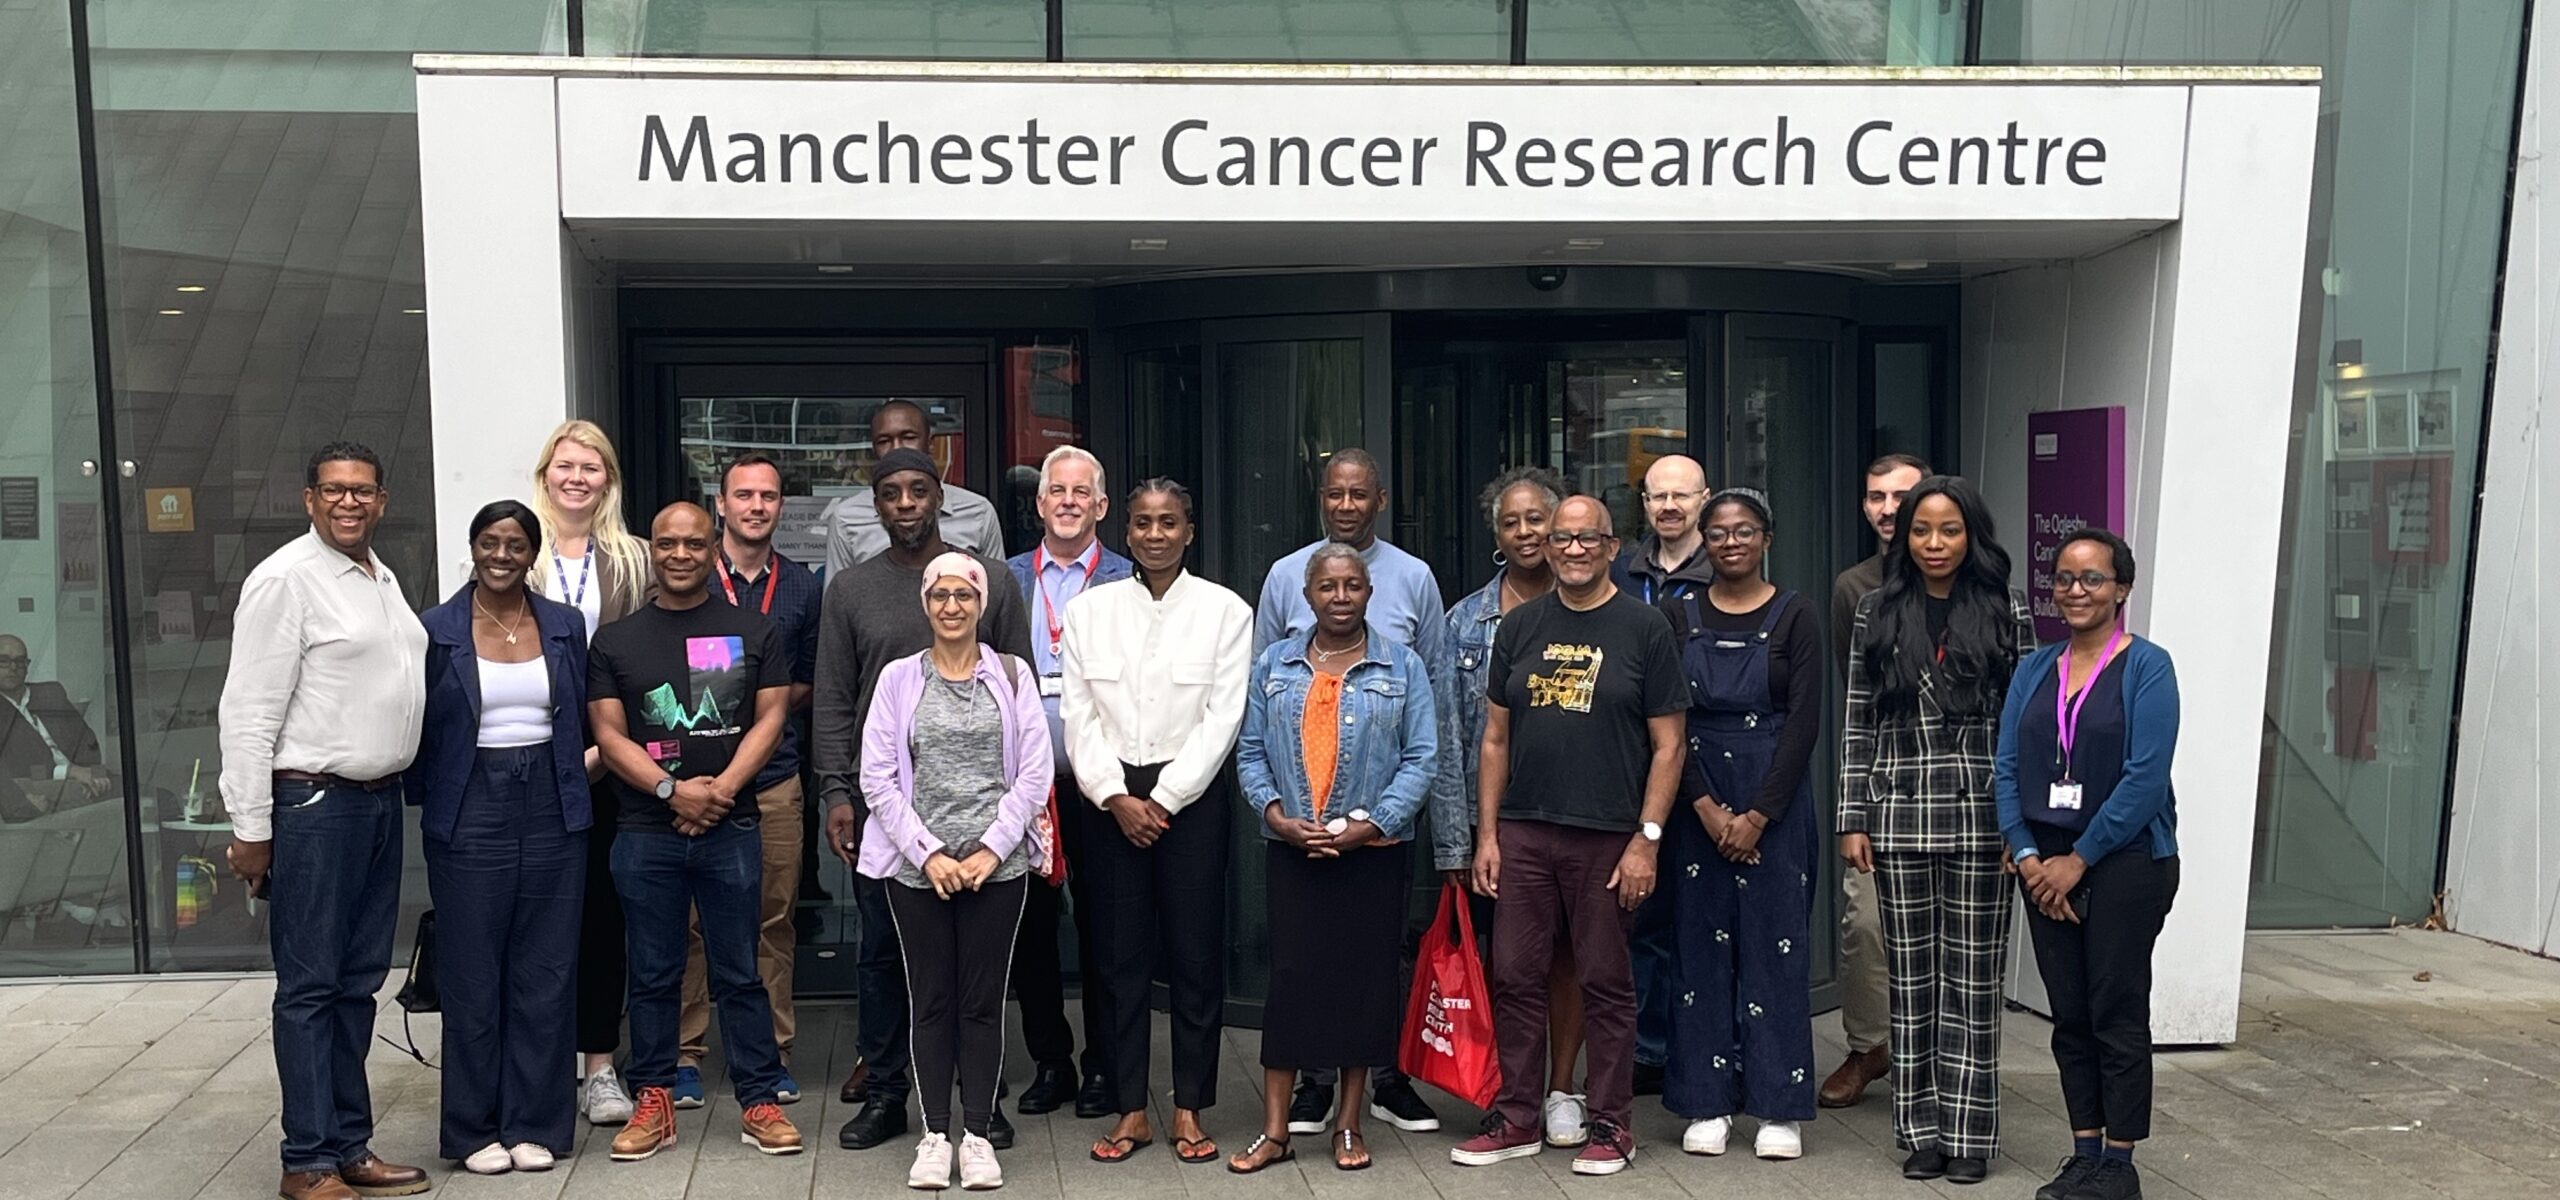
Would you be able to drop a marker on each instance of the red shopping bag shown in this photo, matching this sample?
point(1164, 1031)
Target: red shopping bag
point(1049, 854)
point(1448, 1021)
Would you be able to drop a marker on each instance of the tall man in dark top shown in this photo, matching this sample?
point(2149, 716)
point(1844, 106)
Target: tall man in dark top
point(869, 618)
point(1579, 768)
point(1865, 1011)
point(751, 574)
point(686, 700)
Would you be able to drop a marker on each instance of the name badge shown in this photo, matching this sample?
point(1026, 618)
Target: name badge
point(1053, 685)
point(2064, 797)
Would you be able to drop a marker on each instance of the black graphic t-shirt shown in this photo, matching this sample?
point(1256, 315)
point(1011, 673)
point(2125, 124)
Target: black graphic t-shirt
point(687, 679)
point(1579, 687)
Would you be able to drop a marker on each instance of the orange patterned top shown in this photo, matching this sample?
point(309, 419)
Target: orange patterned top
point(1320, 737)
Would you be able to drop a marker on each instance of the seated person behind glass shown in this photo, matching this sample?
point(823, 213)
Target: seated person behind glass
point(43, 738)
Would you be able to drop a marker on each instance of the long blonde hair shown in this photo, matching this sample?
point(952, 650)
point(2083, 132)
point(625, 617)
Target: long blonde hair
point(625, 556)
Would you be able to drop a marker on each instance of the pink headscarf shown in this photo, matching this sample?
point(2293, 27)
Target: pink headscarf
point(952, 564)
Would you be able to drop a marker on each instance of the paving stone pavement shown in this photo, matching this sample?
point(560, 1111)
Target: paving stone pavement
point(2353, 1079)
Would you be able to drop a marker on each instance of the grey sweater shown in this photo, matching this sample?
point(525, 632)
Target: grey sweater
point(873, 614)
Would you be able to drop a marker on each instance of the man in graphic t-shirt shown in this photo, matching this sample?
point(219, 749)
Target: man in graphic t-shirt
point(686, 700)
point(1581, 756)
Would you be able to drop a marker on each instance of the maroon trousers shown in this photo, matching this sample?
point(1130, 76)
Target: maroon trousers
point(1555, 879)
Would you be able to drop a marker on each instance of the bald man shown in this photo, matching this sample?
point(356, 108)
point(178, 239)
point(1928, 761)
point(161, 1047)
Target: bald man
point(854, 534)
point(686, 700)
point(42, 735)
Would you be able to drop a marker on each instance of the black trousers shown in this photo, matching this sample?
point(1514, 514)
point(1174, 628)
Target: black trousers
point(958, 952)
point(1039, 983)
point(2097, 973)
point(602, 975)
point(1162, 911)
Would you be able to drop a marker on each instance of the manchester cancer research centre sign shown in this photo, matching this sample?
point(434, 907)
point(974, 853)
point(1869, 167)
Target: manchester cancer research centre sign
point(1328, 151)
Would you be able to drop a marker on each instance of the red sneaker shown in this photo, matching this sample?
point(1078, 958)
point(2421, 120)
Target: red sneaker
point(1608, 1151)
point(1500, 1140)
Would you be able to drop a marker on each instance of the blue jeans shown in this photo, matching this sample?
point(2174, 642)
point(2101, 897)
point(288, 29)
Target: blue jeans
point(335, 887)
point(880, 1035)
point(1653, 949)
point(720, 876)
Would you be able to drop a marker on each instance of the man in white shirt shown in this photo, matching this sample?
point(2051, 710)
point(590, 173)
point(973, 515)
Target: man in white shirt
point(854, 533)
point(320, 715)
point(42, 735)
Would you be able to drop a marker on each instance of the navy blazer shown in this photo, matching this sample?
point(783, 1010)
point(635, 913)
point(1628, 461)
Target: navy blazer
point(450, 740)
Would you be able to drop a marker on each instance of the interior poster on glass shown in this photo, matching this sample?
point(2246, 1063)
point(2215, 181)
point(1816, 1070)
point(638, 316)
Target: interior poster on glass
point(2075, 477)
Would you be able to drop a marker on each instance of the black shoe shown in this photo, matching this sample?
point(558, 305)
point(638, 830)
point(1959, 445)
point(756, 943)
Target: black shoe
point(1968, 1170)
point(1924, 1164)
point(1309, 1107)
point(2113, 1179)
point(1648, 1079)
point(881, 1118)
point(1052, 1085)
point(1000, 1134)
point(1095, 1100)
point(2075, 1171)
point(1399, 1105)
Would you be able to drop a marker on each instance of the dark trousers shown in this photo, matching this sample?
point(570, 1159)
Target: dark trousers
point(335, 888)
point(957, 952)
point(880, 994)
point(1946, 940)
point(507, 888)
point(719, 876)
point(1162, 910)
point(2097, 974)
point(1039, 982)
point(1653, 957)
point(1556, 880)
point(602, 974)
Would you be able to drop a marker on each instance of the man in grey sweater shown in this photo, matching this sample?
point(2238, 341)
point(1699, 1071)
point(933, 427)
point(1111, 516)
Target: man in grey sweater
point(871, 616)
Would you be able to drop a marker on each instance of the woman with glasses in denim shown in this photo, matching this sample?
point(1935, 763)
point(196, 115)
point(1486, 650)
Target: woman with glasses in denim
point(1339, 746)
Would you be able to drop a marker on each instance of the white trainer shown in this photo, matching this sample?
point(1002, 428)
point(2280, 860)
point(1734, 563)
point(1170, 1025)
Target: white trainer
point(489, 1160)
point(604, 1099)
point(932, 1171)
point(1707, 1136)
point(978, 1169)
point(1779, 1139)
point(530, 1157)
point(1568, 1119)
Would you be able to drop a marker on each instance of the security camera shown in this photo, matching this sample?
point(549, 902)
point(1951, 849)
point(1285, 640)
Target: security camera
point(1546, 279)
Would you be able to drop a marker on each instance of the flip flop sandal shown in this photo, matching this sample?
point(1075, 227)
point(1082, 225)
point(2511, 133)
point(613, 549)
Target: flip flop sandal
point(1255, 1147)
point(1128, 1146)
point(1346, 1142)
point(1190, 1150)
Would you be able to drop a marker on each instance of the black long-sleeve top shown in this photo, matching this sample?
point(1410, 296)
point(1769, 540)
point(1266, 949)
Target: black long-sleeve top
point(1795, 689)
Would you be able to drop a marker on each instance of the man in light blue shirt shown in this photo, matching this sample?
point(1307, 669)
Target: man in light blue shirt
point(1404, 605)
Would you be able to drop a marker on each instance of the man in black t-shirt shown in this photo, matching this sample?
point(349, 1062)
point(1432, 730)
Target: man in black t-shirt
point(686, 700)
point(1580, 762)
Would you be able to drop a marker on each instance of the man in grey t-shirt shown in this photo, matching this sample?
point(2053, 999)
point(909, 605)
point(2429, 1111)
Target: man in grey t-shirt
point(855, 529)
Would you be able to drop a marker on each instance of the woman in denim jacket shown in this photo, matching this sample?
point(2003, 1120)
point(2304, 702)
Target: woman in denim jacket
point(1340, 742)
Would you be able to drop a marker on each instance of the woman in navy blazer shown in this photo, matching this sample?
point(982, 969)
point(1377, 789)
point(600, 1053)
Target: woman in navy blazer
point(2081, 783)
point(501, 775)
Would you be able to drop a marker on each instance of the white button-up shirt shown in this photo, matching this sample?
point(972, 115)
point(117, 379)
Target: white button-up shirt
point(1151, 681)
point(327, 676)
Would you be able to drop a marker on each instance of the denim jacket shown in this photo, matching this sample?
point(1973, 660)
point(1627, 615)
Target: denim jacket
point(1472, 624)
point(1390, 743)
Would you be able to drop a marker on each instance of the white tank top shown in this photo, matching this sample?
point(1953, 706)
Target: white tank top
point(515, 704)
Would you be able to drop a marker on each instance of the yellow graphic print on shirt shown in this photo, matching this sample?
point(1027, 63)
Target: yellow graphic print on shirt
point(1569, 688)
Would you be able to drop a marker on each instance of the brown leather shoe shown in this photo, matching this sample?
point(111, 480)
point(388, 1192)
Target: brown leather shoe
point(370, 1176)
point(851, 1093)
point(652, 1127)
point(1848, 1085)
point(764, 1127)
point(314, 1185)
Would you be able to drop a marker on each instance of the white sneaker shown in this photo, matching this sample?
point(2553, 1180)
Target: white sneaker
point(489, 1160)
point(1707, 1136)
point(978, 1169)
point(1568, 1119)
point(604, 1099)
point(530, 1157)
point(1778, 1139)
point(932, 1171)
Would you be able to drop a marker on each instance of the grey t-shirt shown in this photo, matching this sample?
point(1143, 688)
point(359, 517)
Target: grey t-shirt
point(959, 771)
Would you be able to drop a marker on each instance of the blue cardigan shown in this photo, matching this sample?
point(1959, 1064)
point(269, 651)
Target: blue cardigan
point(449, 742)
point(2143, 803)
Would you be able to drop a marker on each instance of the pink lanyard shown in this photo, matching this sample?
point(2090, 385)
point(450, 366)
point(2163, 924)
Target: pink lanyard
point(2066, 707)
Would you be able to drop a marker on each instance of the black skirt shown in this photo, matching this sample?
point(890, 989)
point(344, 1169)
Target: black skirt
point(1337, 930)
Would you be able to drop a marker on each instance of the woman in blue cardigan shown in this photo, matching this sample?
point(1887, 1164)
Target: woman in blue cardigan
point(2086, 806)
point(501, 774)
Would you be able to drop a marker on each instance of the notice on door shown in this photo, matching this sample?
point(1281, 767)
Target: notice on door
point(20, 504)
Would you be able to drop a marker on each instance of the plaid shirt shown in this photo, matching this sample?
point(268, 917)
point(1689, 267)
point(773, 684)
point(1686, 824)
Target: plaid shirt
point(1920, 786)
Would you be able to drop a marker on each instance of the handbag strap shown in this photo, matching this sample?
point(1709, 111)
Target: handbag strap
point(1453, 895)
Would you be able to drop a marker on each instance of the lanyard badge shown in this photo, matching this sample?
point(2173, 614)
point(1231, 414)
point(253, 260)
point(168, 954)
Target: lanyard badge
point(2067, 794)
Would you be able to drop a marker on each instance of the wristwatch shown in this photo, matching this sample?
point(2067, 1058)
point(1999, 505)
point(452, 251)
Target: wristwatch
point(1653, 831)
point(666, 789)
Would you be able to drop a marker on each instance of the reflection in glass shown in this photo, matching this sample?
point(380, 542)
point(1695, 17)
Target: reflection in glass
point(897, 29)
point(1882, 32)
point(1288, 31)
point(1618, 415)
point(1043, 402)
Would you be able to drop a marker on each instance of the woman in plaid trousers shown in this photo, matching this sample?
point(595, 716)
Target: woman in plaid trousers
point(1930, 658)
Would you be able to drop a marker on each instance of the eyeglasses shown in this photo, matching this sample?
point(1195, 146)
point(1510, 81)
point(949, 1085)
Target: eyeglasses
point(1674, 497)
point(941, 596)
point(13, 660)
point(2085, 581)
point(361, 493)
point(1590, 539)
point(1742, 534)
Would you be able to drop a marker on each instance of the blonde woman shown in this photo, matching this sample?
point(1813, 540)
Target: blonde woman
point(589, 561)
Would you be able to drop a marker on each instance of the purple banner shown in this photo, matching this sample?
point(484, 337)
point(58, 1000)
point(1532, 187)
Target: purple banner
point(2075, 477)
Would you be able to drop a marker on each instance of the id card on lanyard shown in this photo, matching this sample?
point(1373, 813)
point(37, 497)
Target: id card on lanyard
point(2066, 793)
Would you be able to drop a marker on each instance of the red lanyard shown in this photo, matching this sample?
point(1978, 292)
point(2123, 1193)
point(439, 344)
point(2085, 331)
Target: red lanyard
point(772, 571)
point(1090, 560)
point(2066, 707)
